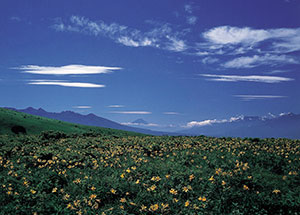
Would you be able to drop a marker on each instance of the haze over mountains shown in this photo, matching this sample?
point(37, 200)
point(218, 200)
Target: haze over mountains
point(285, 125)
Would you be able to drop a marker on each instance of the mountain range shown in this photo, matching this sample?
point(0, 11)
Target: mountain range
point(285, 125)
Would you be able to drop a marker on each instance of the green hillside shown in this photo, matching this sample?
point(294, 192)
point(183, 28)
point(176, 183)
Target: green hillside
point(36, 125)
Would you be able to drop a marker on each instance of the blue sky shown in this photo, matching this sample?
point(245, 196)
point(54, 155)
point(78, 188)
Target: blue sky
point(169, 62)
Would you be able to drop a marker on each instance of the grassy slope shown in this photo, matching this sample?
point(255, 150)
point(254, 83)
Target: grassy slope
point(35, 125)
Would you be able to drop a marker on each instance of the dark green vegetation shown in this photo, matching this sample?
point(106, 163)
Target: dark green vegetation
point(35, 125)
point(101, 174)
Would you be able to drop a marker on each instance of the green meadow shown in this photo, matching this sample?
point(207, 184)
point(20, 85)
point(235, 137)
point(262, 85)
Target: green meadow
point(77, 169)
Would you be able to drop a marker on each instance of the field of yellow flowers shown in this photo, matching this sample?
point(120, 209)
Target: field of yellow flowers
point(90, 174)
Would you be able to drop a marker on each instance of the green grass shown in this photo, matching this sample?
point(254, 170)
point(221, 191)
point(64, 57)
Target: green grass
point(36, 125)
point(148, 175)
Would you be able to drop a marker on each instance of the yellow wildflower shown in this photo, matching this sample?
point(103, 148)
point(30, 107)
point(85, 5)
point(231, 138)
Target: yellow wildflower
point(93, 196)
point(173, 191)
point(123, 200)
point(185, 189)
point(154, 207)
point(143, 207)
point(93, 188)
point(113, 191)
point(187, 203)
point(276, 191)
point(191, 177)
point(33, 191)
point(245, 187)
point(54, 190)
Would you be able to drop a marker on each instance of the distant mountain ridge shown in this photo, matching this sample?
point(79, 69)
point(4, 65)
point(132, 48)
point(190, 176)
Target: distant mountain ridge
point(90, 119)
point(285, 125)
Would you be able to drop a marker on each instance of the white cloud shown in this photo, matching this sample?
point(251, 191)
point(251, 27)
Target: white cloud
point(82, 107)
point(256, 97)
point(191, 20)
point(66, 84)
point(158, 37)
point(140, 124)
point(116, 106)
point(201, 123)
point(171, 113)
point(209, 60)
point(188, 8)
point(127, 41)
point(250, 78)
point(211, 121)
point(66, 70)
point(240, 40)
point(235, 35)
point(176, 45)
point(131, 112)
point(256, 60)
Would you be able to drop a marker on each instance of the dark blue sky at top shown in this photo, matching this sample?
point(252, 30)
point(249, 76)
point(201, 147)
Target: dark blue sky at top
point(195, 59)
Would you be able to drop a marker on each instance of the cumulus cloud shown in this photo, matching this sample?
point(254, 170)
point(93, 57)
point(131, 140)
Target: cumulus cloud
point(258, 97)
point(131, 112)
point(250, 78)
point(65, 84)
point(66, 70)
point(256, 60)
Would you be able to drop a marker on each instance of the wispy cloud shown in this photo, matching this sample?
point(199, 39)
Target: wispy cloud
point(66, 70)
point(258, 97)
point(160, 36)
point(171, 113)
point(15, 18)
point(82, 107)
point(188, 8)
point(255, 47)
point(191, 20)
point(256, 60)
point(131, 112)
point(65, 84)
point(250, 78)
point(176, 45)
point(115, 106)
point(240, 40)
